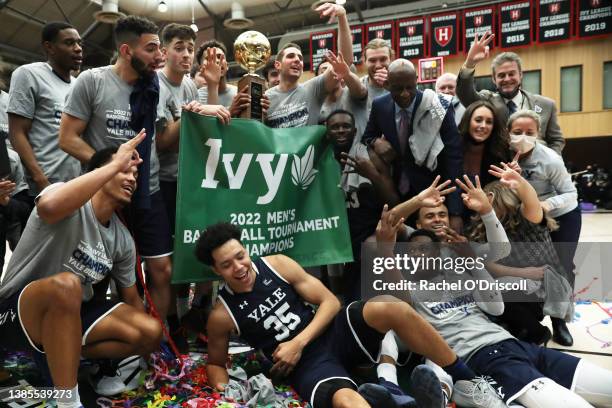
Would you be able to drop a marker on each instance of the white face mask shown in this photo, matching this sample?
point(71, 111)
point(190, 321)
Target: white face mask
point(522, 143)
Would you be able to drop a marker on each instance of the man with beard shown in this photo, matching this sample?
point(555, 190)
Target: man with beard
point(103, 109)
point(35, 104)
point(507, 75)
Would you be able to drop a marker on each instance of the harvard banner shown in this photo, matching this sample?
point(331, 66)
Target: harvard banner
point(279, 185)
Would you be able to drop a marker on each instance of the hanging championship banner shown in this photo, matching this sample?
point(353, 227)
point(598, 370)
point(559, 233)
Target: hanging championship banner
point(443, 34)
point(320, 43)
point(515, 26)
point(411, 38)
point(279, 185)
point(594, 18)
point(477, 21)
point(554, 20)
point(383, 30)
point(357, 38)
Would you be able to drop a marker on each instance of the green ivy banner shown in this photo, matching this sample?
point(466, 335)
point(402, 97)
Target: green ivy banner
point(279, 185)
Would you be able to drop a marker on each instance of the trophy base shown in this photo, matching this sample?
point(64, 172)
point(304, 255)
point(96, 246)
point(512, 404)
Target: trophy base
point(257, 87)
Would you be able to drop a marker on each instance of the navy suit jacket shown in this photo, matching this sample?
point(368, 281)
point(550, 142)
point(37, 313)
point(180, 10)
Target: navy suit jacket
point(450, 159)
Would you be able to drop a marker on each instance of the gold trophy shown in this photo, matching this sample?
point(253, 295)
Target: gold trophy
point(251, 52)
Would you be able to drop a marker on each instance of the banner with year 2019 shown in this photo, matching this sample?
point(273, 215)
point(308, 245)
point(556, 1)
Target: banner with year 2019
point(279, 185)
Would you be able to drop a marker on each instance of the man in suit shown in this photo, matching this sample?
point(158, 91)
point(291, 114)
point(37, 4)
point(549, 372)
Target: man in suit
point(446, 84)
point(421, 130)
point(507, 76)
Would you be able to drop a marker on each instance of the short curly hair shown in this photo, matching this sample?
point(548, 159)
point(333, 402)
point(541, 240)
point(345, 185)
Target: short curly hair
point(212, 238)
point(206, 45)
point(130, 28)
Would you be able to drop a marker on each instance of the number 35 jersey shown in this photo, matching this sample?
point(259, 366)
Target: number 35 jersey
point(272, 313)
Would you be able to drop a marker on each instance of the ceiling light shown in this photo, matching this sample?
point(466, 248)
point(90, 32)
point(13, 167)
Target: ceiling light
point(162, 7)
point(444, 5)
point(193, 25)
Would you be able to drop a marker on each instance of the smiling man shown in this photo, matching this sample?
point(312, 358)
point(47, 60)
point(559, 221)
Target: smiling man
point(35, 104)
point(421, 130)
point(293, 104)
point(103, 110)
point(267, 302)
point(507, 75)
point(72, 241)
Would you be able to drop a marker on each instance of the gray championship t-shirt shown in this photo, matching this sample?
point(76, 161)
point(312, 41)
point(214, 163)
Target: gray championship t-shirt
point(77, 244)
point(17, 174)
point(459, 320)
point(373, 93)
point(225, 98)
point(171, 100)
point(4, 98)
point(102, 99)
point(358, 107)
point(37, 93)
point(299, 107)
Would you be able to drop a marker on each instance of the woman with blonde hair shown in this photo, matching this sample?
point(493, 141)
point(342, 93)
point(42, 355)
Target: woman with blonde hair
point(518, 208)
point(544, 169)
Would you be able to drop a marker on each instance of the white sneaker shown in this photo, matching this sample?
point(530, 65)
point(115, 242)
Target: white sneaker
point(107, 385)
point(477, 393)
point(112, 379)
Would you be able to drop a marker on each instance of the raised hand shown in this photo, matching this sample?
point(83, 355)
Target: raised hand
point(514, 163)
point(212, 69)
point(507, 176)
point(474, 197)
point(433, 195)
point(362, 166)
point(388, 226)
point(330, 10)
point(127, 155)
point(447, 234)
point(479, 49)
point(340, 67)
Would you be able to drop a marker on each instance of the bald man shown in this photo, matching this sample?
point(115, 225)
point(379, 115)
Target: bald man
point(421, 130)
point(446, 85)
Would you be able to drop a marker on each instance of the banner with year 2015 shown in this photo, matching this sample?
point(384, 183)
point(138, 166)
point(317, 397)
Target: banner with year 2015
point(279, 185)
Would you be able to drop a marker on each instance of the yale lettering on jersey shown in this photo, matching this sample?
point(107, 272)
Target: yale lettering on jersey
point(266, 306)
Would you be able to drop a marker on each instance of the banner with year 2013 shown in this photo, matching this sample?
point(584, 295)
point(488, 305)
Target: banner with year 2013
point(279, 185)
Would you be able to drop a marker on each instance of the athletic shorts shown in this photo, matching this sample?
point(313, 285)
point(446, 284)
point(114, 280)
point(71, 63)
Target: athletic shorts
point(346, 343)
point(168, 190)
point(15, 337)
point(150, 228)
point(515, 364)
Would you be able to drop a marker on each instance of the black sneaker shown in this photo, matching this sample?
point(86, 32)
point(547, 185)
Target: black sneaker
point(377, 396)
